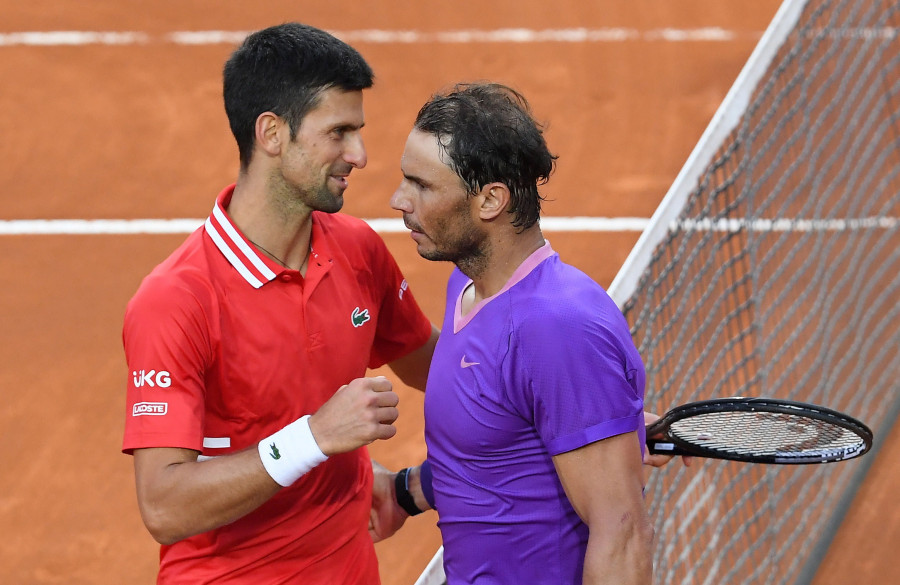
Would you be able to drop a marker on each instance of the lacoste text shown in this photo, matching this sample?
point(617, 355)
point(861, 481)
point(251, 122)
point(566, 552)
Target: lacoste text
point(142, 408)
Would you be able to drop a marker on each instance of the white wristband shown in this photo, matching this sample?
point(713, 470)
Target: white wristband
point(290, 452)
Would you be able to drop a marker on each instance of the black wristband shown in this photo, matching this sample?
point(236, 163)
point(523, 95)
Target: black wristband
point(404, 498)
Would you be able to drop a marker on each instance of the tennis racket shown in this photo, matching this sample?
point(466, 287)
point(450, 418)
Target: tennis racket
point(759, 430)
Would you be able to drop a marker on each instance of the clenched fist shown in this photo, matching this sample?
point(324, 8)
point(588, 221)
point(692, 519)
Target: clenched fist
point(359, 412)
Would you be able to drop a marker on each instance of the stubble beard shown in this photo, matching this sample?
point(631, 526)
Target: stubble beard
point(322, 199)
point(470, 252)
point(314, 193)
point(312, 197)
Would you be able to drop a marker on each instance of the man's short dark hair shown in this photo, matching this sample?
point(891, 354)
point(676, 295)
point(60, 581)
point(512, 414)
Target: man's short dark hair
point(489, 135)
point(283, 69)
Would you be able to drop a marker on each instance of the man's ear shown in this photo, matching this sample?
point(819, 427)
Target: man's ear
point(269, 135)
point(495, 199)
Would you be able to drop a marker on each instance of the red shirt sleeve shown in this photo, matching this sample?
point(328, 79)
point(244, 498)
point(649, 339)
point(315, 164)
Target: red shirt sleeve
point(402, 326)
point(167, 349)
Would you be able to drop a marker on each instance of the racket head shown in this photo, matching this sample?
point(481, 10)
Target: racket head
point(760, 430)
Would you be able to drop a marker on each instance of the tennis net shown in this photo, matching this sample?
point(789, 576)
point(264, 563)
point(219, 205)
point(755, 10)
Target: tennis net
point(772, 268)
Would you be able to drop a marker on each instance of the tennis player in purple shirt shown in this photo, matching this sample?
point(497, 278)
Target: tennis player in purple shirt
point(534, 403)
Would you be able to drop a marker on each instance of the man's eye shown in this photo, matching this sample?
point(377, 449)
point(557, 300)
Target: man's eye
point(418, 185)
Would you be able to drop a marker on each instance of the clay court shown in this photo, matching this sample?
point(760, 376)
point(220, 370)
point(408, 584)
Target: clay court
point(134, 129)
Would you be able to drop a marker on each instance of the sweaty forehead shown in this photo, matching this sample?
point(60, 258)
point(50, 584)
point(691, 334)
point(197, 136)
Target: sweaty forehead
point(423, 152)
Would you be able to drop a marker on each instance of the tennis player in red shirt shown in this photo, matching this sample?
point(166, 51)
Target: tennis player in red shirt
point(247, 407)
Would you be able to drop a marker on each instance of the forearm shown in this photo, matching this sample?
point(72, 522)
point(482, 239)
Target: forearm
point(395, 497)
point(622, 556)
point(412, 369)
point(180, 496)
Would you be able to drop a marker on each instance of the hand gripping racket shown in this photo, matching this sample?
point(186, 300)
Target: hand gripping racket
point(759, 430)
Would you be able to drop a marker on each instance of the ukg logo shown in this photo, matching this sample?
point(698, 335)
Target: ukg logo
point(151, 378)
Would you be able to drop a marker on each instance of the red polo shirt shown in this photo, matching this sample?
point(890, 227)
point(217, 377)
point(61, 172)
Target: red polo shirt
point(225, 347)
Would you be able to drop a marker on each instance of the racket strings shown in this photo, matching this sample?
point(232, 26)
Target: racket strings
point(765, 433)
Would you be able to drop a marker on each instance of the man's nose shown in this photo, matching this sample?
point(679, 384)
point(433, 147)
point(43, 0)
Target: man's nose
point(399, 201)
point(355, 152)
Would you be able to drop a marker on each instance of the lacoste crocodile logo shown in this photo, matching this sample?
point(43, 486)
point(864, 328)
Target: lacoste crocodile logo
point(464, 364)
point(359, 317)
point(275, 454)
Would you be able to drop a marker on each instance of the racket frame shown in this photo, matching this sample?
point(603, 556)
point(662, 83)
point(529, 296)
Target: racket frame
point(673, 445)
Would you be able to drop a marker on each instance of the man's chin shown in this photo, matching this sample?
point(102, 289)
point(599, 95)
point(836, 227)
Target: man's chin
point(331, 204)
point(432, 254)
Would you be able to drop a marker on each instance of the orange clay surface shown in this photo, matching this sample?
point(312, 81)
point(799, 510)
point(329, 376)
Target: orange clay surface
point(138, 131)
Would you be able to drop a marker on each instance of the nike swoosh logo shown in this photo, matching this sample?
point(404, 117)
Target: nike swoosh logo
point(464, 364)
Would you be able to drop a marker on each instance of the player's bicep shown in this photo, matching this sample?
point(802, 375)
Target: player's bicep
point(603, 480)
point(152, 474)
point(151, 464)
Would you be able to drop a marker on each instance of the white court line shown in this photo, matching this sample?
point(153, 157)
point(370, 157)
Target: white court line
point(376, 36)
point(18, 227)
point(379, 36)
point(395, 225)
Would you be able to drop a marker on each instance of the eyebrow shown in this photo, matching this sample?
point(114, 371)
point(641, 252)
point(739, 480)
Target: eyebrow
point(348, 126)
point(415, 179)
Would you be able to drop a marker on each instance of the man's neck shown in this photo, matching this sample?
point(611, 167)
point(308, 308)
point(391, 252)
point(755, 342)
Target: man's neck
point(507, 251)
point(279, 231)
